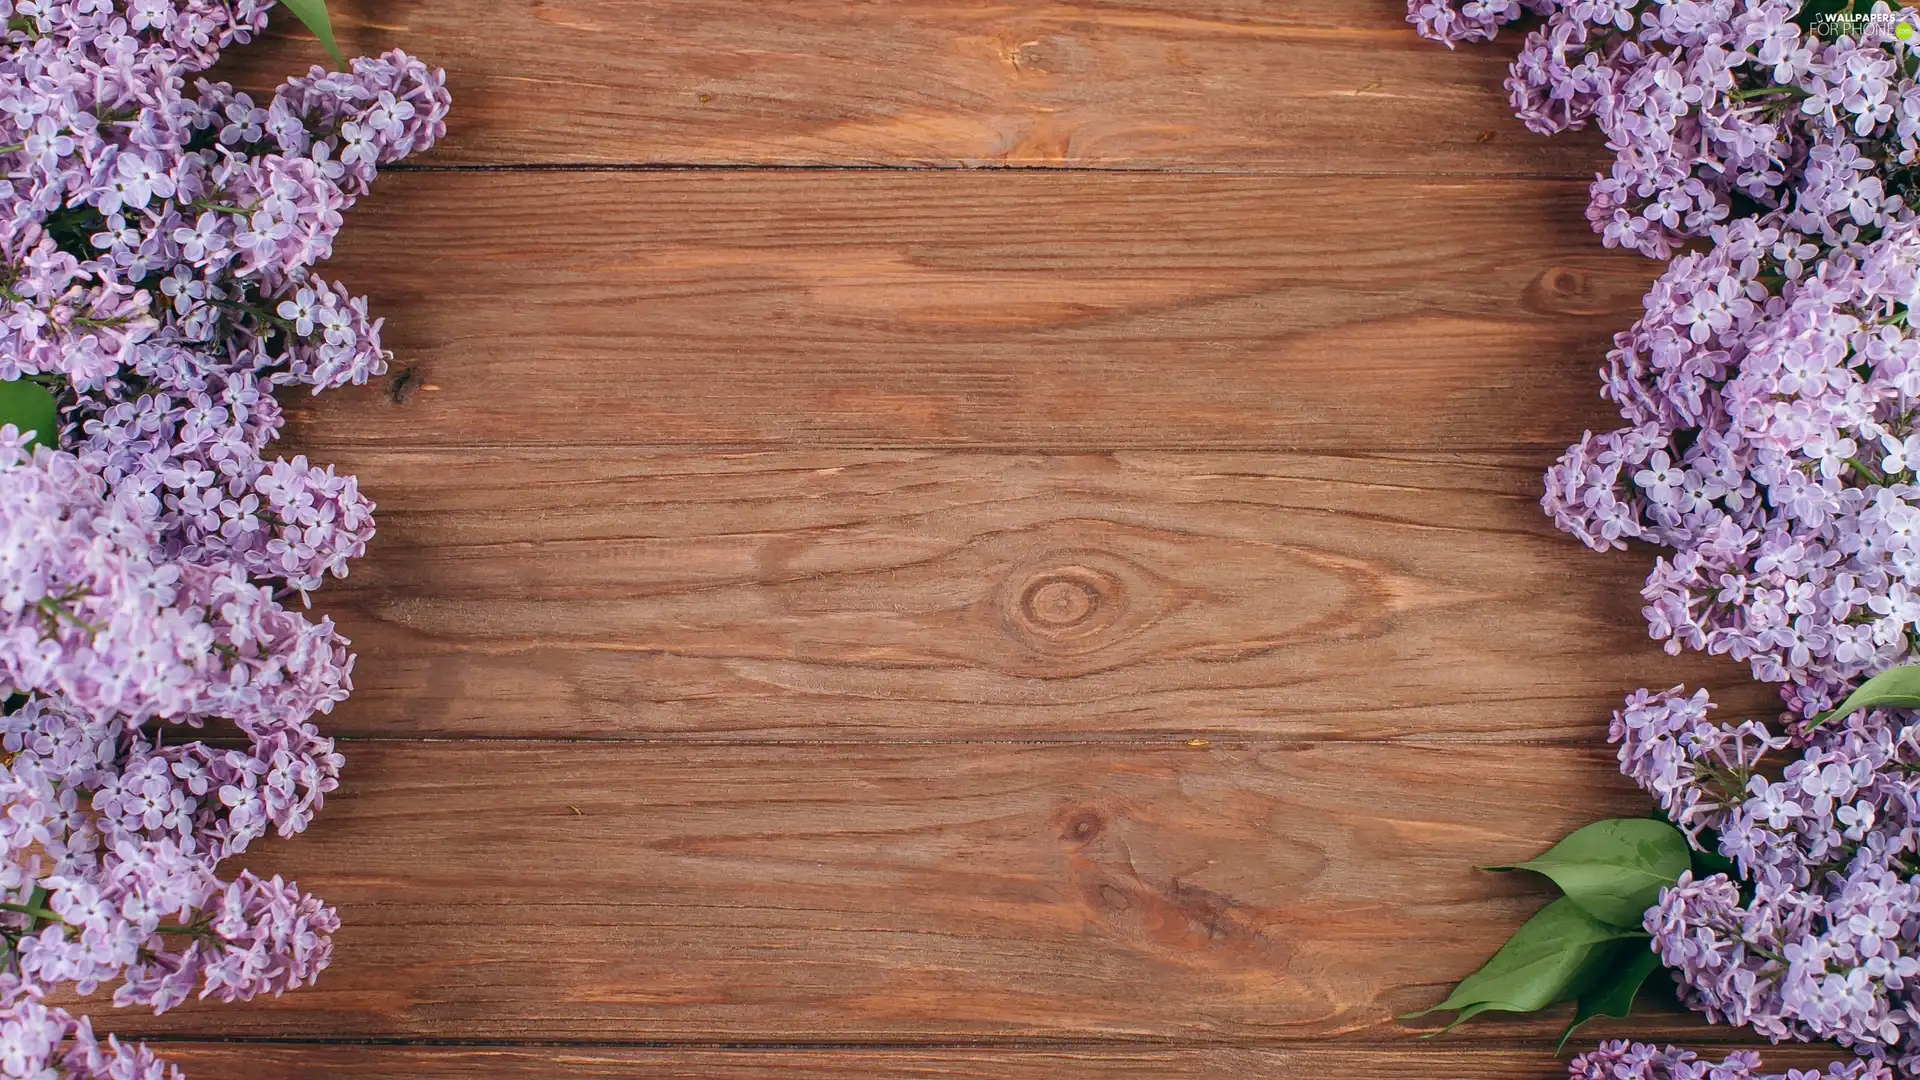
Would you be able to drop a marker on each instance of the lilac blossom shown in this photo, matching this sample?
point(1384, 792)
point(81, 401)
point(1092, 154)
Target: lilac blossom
point(160, 235)
point(38, 1040)
point(1621, 1060)
point(1770, 455)
point(1817, 936)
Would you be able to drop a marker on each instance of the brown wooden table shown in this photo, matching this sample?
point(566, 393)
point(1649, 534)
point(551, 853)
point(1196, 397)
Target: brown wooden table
point(949, 539)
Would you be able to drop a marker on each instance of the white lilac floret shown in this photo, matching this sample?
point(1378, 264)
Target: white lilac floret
point(158, 240)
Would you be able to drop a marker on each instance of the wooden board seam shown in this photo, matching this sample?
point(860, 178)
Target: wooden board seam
point(1462, 1041)
point(958, 167)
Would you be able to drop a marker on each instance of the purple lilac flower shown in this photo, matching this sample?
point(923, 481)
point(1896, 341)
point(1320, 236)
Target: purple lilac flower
point(1621, 1060)
point(1770, 453)
point(159, 234)
point(38, 1041)
point(1818, 937)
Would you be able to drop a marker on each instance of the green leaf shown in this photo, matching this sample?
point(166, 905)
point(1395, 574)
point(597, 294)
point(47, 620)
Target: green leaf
point(1615, 869)
point(1613, 993)
point(314, 14)
point(27, 406)
point(1556, 956)
point(37, 900)
point(1894, 688)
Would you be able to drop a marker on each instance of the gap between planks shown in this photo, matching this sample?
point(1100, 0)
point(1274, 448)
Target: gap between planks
point(597, 1061)
point(619, 167)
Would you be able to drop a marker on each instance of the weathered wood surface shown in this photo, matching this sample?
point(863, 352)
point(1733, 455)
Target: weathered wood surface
point(1015, 310)
point(951, 596)
point(271, 1062)
point(1235, 892)
point(1080, 620)
point(1306, 86)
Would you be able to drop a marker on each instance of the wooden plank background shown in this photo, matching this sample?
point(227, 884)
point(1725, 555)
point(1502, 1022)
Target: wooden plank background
point(935, 538)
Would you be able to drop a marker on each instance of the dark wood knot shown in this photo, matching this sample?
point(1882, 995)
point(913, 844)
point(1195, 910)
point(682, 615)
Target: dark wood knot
point(1566, 282)
point(1584, 290)
point(1083, 826)
point(1065, 607)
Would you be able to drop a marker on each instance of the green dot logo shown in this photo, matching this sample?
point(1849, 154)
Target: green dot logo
point(1904, 31)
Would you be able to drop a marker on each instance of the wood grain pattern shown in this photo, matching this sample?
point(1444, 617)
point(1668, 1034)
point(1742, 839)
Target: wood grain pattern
point(623, 892)
point(960, 596)
point(1308, 86)
point(1019, 310)
point(270, 1062)
point(1083, 619)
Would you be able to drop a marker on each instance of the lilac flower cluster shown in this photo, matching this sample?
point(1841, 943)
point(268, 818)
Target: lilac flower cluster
point(1769, 442)
point(1771, 451)
point(39, 1040)
point(158, 239)
point(1616, 1060)
point(1819, 935)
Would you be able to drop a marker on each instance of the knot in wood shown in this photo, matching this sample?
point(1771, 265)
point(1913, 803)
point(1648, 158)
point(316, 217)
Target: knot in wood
point(1575, 290)
point(1566, 282)
point(1083, 826)
point(1070, 605)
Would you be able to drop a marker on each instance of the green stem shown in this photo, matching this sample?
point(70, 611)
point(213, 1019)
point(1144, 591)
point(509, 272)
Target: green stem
point(1862, 468)
point(259, 313)
point(221, 208)
point(43, 915)
point(1763, 91)
point(55, 610)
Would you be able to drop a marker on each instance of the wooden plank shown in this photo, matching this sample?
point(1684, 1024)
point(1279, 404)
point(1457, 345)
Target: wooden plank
point(957, 596)
point(1319, 86)
point(1022, 310)
point(569, 891)
point(253, 1061)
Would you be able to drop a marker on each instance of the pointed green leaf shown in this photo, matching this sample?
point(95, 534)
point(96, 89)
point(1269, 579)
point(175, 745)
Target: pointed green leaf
point(27, 406)
point(1894, 688)
point(1615, 869)
point(314, 14)
point(1467, 1013)
point(1613, 993)
point(1556, 956)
